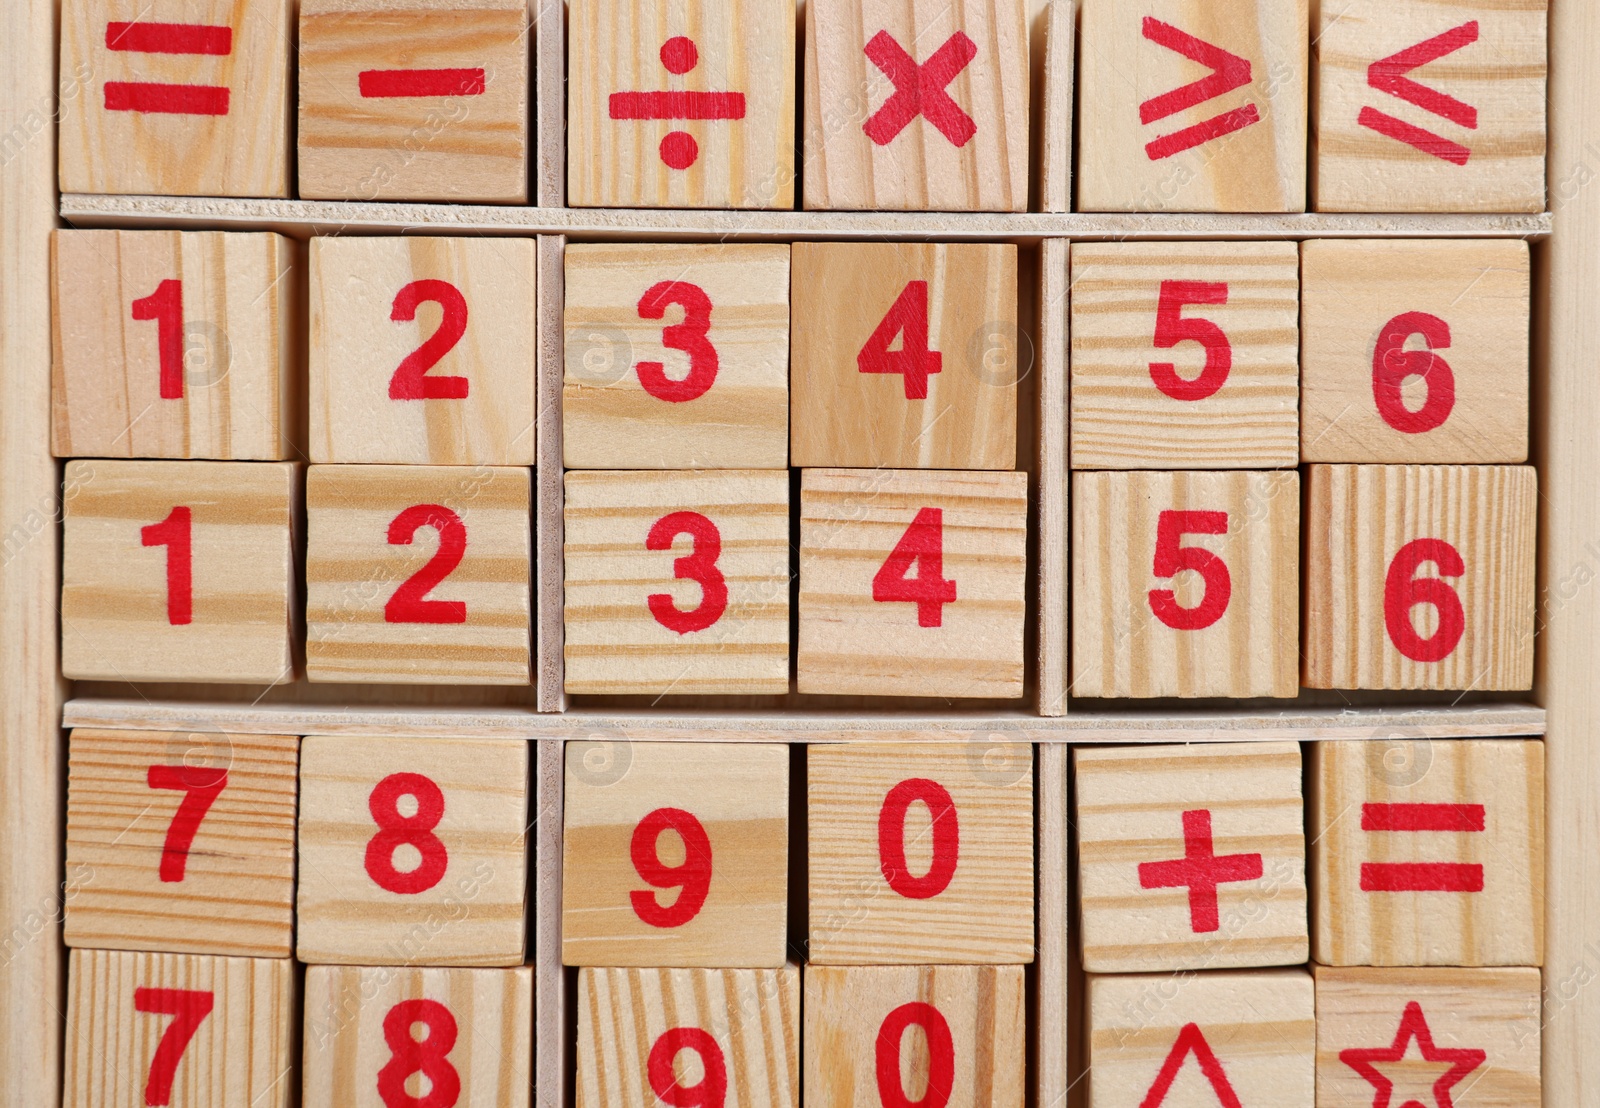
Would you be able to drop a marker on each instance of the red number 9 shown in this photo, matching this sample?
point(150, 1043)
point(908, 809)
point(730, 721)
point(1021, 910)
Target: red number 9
point(692, 875)
point(709, 1091)
point(941, 1057)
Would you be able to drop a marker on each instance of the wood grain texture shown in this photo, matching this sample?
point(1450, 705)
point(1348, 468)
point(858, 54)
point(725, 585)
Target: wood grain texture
point(845, 416)
point(242, 152)
point(1131, 805)
point(357, 347)
point(414, 145)
point(1358, 519)
point(846, 1007)
point(472, 914)
point(1257, 165)
point(918, 166)
point(238, 372)
point(1259, 1026)
point(1495, 1011)
point(616, 642)
point(242, 1052)
point(348, 1045)
point(739, 420)
point(115, 619)
point(1053, 991)
point(549, 529)
point(234, 894)
point(550, 103)
point(1054, 140)
point(1121, 646)
point(850, 522)
point(741, 46)
point(353, 571)
point(984, 913)
point(1496, 151)
point(739, 797)
point(1353, 297)
point(1054, 506)
point(751, 1015)
point(1499, 923)
point(552, 1028)
point(1124, 413)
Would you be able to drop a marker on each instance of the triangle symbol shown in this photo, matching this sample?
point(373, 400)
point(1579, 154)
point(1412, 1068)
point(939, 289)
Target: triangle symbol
point(1191, 1040)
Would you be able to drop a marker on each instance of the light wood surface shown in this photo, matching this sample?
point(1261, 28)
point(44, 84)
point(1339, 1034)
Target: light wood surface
point(359, 1042)
point(1361, 522)
point(748, 1020)
point(1151, 620)
point(1138, 808)
point(549, 529)
point(630, 321)
point(1471, 138)
point(414, 100)
point(123, 614)
point(229, 134)
point(552, 1029)
point(443, 883)
point(231, 386)
point(675, 854)
point(892, 306)
point(550, 103)
point(1151, 385)
point(1054, 132)
point(123, 1007)
point(1055, 520)
point(1053, 906)
point(361, 354)
point(1153, 137)
point(355, 570)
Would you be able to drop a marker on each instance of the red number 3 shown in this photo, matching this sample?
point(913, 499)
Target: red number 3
point(699, 565)
point(688, 336)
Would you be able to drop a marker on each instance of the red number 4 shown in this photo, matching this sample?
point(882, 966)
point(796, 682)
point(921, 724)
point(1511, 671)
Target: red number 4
point(188, 1009)
point(922, 548)
point(907, 318)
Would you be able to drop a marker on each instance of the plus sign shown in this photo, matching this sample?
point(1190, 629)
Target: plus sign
point(1200, 870)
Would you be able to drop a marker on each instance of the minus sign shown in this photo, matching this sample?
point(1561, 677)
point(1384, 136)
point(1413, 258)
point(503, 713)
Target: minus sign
point(388, 83)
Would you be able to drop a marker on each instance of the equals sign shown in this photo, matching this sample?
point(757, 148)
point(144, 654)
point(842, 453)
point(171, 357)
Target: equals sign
point(167, 38)
point(1422, 877)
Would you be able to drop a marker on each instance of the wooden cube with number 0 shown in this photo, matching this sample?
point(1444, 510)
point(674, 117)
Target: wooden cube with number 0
point(1420, 577)
point(178, 571)
point(412, 851)
point(912, 583)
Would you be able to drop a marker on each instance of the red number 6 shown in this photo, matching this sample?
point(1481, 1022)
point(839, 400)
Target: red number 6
point(1403, 590)
point(1392, 363)
point(699, 565)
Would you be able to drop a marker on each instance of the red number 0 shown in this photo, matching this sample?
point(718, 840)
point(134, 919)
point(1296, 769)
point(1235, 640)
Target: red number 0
point(410, 603)
point(688, 336)
point(411, 380)
point(941, 1056)
point(428, 1055)
point(175, 533)
point(1172, 328)
point(709, 1091)
point(1392, 363)
point(415, 831)
point(892, 838)
point(188, 1009)
point(165, 306)
point(908, 318)
point(1403, 590)
point(699, 565)
point(200, 786)
point(1172, 557)
point(922, 546)
point(692, 875)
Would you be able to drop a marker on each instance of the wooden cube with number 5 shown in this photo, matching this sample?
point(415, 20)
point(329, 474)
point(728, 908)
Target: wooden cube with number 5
point(911, 583)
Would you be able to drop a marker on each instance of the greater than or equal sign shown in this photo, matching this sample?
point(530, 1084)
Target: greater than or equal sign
point(384, 84)
point(1422, 877)
point(167, 38)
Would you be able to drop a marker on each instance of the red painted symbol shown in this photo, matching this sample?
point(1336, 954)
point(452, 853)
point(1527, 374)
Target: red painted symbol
point(1389, 75)
point(1200, 870)
point(678, 148)
point(920, 89)
point(392, 83)
point(1228, 72)
point(1413, 1025)
point(155, 97)
point(1190, 1040)
point(1421, 877)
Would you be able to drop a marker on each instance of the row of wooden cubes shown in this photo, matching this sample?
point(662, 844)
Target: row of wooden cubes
point(902, 107)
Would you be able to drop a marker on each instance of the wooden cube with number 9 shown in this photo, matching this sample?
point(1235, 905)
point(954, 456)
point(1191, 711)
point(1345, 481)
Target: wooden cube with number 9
point(911, 583)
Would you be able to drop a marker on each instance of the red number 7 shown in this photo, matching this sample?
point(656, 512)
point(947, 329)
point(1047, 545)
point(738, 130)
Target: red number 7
point(188, 1009)
point(200, 786)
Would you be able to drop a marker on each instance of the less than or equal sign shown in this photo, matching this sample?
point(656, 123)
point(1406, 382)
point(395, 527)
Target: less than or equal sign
point(167, 38)
point(393, 83)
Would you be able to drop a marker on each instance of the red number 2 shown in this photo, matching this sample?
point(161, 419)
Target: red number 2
point(174, 533)
point(699, 565)
point(688, 336)
point(908, 318)
point(415, 831)
point(892, 838)
point(1172, 557)
point(165, 306)
point(411, 380)
point(1403, 590)
point(930, 590)
point(428, 1056)
point(200, 786)
point(1172, 328)
point(1392, 364)
point(941, 1056)
point(692, 875)
point(410, 603)
point(710, 1090)
point(188, 1009)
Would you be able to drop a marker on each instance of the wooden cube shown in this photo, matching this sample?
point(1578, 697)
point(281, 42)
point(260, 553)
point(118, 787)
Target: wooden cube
point(185, 1030)
point(912, 583)
point(1428, 852)
point(918, 855)
point(181, 841)
point(677, 357)
point(1419, 577)
point(1190, 857)
point(173, 344)
point(1185, 355)
point(905, 354)
point(1424, 107)
point(1219, 93)
point(677, 583)
point(422, 350)
point(374, 1035)
point(920, 107)
point(1185, 584)
point(178, 571)
point(1467, 1038)
point(682, 860)
point(1414, 351)
point(728, 1036)
point(679, 105)
point(418, 574)
point(966, 1052)
point(1202, 1039)
point(425, 100)
point(413, 852)
point(175, 97)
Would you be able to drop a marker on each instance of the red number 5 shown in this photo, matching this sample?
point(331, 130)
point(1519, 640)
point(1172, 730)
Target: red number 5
point(688, 336)
point(692, 875)
point(1403, 590)
point(1172, 328)
point(699, 565)
point(188, 1009)
point(1172, 557)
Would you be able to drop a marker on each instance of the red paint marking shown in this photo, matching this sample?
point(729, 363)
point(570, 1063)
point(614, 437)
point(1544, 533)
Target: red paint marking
point(427, 1056)
point(1389, 75)
point(679, 54)
point(410, 602)
point(920, 89)
point(188, 1009)
point(922, 548)
point(1404, 590)
point(692, 875)
point(1422, 817)
point(1191, 1040)
point(1411, 135)
point(1201, 871)
point(158, 99)
point(941, 1048)
point(677, 105)
point(1413, 1025)
point(1201, 133)
point(892, 838)
point(200, 786)
point(416, 831)
point(169, 38)
point(1228, 72)
point(379, 84)
point(699, 566)
point(1421, 877)
point(712, 1088)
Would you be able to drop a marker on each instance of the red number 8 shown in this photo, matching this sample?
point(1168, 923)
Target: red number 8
point(428, 1055)
point(709, 1091)
point(415, 831)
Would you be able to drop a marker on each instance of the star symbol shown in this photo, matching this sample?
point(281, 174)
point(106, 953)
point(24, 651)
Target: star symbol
point(1413, 1025)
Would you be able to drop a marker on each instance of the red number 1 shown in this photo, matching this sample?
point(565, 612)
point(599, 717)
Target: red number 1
point(200, 786)
point(165, 306)
point(174, 533)
point(930, 590)
point(188, 1009)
